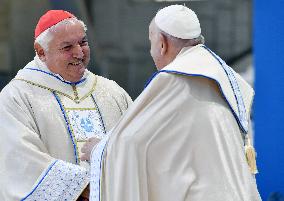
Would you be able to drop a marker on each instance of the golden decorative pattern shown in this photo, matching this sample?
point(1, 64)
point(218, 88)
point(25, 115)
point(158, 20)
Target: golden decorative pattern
point(76, 99)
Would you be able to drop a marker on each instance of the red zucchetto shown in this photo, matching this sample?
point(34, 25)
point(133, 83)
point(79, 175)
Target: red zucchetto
point(50, 18)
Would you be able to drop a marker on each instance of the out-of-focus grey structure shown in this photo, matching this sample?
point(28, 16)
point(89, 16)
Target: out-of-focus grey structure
point(118, 34)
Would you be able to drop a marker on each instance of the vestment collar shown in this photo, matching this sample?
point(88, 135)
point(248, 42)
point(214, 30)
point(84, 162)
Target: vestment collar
point(36, 72)
point(202, 62)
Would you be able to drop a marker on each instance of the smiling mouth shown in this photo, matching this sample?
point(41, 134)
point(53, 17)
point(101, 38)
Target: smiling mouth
point(76, 63)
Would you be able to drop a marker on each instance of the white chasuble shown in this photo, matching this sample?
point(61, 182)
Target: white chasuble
point(44, 122)
point(182, 139)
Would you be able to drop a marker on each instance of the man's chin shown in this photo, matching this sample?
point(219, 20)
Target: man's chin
point(81, 74)
point(80, 70)
point(77, 77)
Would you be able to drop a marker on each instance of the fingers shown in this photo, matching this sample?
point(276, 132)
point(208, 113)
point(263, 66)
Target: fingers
point(88, 147)
point(89, 144)
point(94, 140)
point(84, 148)
point(84, 157)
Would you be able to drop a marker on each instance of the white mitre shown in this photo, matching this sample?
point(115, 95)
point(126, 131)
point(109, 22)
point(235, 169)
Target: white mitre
point(178, 21)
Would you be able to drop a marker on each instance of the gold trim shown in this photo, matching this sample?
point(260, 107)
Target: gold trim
point(76, 99)
point(91, 91)
point(76, 96)
point(44, 87)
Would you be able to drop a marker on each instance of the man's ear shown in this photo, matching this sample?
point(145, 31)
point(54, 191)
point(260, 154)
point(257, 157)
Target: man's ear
point(164, 44)
point(40, 51)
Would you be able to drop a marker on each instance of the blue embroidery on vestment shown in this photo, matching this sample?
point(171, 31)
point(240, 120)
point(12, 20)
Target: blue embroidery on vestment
point(62, 181)
point(68, 126)
point(86, 123)
point(96, 170)
point(236, 90)
point(93, 97)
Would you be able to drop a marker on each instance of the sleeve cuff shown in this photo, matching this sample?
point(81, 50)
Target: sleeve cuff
point(61, 181)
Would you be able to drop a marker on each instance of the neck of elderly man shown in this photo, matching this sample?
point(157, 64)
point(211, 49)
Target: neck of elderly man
point(64, 49)
point(168, 46)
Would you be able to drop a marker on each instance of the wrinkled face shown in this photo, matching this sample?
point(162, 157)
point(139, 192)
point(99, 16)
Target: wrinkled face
point(155, 42)
point(68, 54)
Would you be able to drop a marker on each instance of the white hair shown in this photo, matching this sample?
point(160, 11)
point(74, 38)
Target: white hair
point(45, 37)
point(184, 42)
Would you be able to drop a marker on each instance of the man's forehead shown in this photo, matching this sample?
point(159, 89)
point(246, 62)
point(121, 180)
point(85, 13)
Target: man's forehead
point(71, 40)
point(66, 26)
point(68, 32)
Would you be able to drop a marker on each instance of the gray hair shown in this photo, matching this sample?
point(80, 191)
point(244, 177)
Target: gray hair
point(45, 37)
point(183, 42)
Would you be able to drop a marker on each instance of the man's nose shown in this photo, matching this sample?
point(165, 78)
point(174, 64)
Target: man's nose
point(78, 51)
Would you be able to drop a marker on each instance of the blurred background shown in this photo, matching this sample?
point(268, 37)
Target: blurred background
point(118, 34)
point(118, 37)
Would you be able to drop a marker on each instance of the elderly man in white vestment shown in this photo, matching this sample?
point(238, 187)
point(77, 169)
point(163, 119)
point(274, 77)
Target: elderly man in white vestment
point(49, 109)
point(186, 137)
